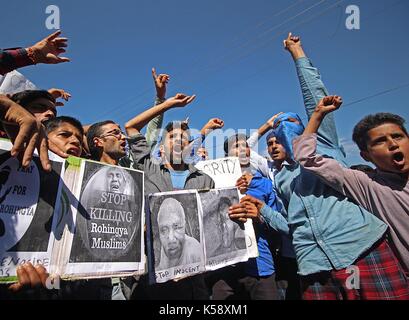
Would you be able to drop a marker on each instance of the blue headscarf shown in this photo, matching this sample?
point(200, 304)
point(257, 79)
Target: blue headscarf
point(287, 131)
point(271, 134)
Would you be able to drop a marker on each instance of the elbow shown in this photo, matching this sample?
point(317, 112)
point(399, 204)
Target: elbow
point(131, 129)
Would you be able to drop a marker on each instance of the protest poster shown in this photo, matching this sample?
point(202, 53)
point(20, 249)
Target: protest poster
point(176, 246)
point(105, 237)
point(28, 202)
point(190, 232)
point(225, 172)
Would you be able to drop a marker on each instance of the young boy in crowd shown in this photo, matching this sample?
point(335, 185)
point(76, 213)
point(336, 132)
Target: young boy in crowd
point(383, 140)
point(65, 134)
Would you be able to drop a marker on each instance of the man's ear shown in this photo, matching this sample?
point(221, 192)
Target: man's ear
point(97, 142)
point(365, 155)
point(161, 148)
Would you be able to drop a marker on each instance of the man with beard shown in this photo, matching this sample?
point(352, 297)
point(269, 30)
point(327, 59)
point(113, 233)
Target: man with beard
point(177, 248)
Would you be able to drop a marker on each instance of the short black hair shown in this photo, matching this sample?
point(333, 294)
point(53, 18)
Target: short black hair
point(360, 135)
point(175, 125)
point(94, 132)
point(23, 98)
point(228, 143)
point(52, 124)
point(223, 201)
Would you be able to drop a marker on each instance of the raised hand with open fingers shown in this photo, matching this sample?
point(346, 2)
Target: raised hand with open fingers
point(180, 100)
point(59, 93)
point(49, 49)
point(271, 121)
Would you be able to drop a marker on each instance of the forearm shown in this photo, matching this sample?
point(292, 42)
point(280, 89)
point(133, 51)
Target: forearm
point(13, 59)
point(154, 126)
point(313, 124)
point(274, 219)
point(135, 125)
point(263, 130)
point(297, 52)
point(353, 184)
point(313, 90)
point(5, 105)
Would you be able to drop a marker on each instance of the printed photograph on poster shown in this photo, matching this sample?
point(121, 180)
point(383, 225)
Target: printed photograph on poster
point(28, 200)
point(225, 172)
point(225, 239)
point(109, 219)
point(176, 233)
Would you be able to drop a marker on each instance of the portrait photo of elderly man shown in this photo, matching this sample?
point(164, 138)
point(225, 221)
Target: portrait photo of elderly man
point(177, 247)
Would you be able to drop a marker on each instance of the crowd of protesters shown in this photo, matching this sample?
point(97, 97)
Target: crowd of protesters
point(314, 216)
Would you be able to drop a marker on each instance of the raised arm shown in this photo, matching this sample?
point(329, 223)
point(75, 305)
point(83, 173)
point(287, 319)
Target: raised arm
point(154, 126)
point(264, 128)
point(323, 108)
point(258, 162)
point(353, 184)
point(46, 51)
point(197, 138)
point(312, 88)
point(135, 125)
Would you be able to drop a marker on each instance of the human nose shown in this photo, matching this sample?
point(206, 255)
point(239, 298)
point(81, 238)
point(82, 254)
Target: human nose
point(74, 140)
point(392, 144)
point(171, 235)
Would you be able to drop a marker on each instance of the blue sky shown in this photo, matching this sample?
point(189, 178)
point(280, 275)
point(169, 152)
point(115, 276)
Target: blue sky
point(228, 52)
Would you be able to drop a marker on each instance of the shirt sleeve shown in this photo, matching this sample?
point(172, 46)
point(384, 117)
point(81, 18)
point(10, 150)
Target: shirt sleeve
point(260, 164)
point(154, 127)
point(353, 184)
point(253, 140)
point(139, 148)
point(313, 90)
point(274, 219)
point(11, 59)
